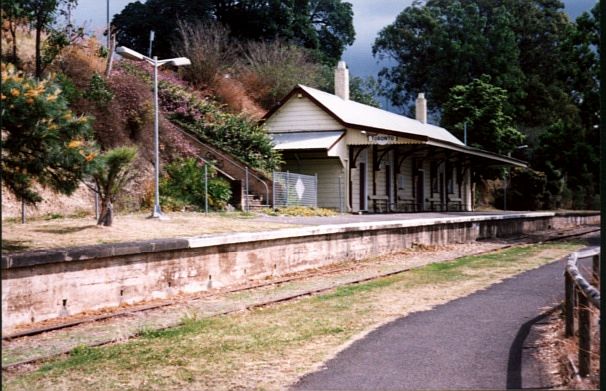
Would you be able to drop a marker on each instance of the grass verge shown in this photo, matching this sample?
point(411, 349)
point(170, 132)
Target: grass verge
point(270, 347)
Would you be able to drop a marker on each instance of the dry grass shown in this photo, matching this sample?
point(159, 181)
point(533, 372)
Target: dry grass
point(66, 232)
point(555, 350)
point(270, 348)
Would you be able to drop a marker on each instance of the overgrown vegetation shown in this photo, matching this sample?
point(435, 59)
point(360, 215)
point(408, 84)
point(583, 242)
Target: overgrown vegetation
point(242, 137)
point(210, 49)
point(184, 186)
point(271, 69)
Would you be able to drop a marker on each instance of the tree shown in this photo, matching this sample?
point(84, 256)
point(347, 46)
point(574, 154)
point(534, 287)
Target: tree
point(546, 64)
point(568, 149)
point(137, 19)
point(13, 15)
point(110, 173)
point(324, 26)
point(480, 105)
point(365, 91)
point(444, 43)
point(42, 14)
point(42, 140)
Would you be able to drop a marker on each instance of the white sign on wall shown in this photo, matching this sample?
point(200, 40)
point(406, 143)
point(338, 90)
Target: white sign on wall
point(382, 139)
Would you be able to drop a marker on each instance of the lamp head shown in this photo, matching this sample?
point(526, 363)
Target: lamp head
point(129, 53)
point(179, 61)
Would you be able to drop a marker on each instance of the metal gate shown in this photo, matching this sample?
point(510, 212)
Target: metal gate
point(292, 189)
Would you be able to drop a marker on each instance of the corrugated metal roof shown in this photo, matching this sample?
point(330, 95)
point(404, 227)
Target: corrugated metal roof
point(305, 140)
point(362, 115)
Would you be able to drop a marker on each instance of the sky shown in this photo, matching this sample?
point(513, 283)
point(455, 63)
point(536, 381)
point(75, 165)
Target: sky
point(370, 16)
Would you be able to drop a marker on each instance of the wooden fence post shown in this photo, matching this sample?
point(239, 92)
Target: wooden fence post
point(595, 276)
point(569, 305)
point(584, 335)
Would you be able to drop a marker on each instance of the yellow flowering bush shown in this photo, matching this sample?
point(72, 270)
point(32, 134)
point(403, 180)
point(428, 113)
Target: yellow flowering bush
point(41, 138)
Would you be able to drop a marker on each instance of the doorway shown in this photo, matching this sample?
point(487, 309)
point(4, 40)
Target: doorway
point(362, 168)
point(419, 190)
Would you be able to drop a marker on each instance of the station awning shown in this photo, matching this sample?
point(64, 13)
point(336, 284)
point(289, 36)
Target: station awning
point(306, 140)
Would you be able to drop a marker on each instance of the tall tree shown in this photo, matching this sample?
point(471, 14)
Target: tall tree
point(325, 26)
point(568, 150)
point(444, 43)
point(42, 14)
point(480, 107)
point(13, 14)
point(137, 19)
point(541, 27)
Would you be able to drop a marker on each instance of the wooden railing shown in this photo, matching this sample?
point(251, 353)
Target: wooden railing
point(580, 294)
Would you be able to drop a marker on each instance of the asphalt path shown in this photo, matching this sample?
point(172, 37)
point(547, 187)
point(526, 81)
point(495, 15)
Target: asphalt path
point(482, 341)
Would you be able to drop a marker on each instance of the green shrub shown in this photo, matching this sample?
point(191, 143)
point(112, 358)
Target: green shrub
point(42, 139)
point(183, 186)
point(98, 91)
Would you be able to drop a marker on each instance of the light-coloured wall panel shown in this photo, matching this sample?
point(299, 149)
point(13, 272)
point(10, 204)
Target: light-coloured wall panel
point(301, 114)
point(328, 172)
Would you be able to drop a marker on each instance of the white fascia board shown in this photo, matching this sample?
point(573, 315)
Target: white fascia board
point(479, 153)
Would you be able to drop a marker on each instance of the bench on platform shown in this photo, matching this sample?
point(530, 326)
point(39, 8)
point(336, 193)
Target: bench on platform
point(379, 203)
point(406, 205)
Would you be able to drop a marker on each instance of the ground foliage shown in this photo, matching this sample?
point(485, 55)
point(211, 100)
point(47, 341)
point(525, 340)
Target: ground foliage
point(184, 186)
point(546, 64)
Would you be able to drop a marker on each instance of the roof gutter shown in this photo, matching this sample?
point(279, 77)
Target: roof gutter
point(478, 152)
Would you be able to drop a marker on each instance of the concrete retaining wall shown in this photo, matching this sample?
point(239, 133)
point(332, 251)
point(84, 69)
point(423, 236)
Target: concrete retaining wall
point(43, 285)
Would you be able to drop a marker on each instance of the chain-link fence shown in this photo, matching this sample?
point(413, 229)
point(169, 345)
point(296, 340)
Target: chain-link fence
point(292, 189)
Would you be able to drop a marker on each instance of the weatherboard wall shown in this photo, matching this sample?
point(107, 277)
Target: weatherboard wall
point(328, 172)
point(43, 285)
point(301, 114)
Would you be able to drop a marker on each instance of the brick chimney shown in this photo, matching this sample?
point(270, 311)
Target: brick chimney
point(421, 108)
point(342, 81)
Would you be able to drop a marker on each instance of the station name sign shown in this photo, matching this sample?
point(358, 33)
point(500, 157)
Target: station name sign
point(382, 139)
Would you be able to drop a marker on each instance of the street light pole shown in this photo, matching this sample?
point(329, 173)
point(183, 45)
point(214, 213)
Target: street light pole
point(179, 61)
point(109, 34)
point(157, 213)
